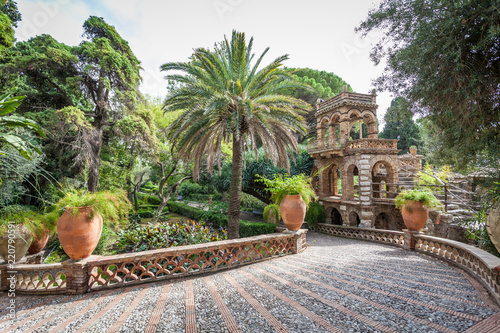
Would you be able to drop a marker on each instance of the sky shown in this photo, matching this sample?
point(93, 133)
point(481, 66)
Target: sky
point(318, 34)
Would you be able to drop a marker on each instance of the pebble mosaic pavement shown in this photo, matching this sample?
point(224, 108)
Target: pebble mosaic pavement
point(336, 285)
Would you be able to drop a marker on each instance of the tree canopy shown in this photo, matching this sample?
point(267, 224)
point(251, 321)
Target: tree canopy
point(77, 91)
point(442, 56)
point(399, 124)
point(226, 97)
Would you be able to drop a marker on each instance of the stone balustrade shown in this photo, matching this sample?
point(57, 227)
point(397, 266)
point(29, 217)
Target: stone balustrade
point(97, 273)
point(372, 145)
point(374, 235)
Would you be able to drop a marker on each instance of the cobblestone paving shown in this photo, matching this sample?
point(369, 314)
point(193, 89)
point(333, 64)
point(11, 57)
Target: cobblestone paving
point(336, 285)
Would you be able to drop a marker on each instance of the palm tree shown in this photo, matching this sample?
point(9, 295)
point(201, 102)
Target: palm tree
point(227, 98)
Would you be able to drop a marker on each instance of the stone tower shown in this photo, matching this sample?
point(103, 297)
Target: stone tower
point(359, 172)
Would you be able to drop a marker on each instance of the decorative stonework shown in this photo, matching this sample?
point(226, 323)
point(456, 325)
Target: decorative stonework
point(96, 273)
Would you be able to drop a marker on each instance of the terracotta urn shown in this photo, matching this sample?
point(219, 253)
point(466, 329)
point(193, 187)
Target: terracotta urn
point(39, 242)
point(293, 211)
point(79, 230)
point(22, 240)
point(493, 224)
point(415, 215)
point(413, 151)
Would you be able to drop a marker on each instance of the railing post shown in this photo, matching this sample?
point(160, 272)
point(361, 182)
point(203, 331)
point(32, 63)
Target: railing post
point(77, 276)
point(409, 238)
point(445, 198)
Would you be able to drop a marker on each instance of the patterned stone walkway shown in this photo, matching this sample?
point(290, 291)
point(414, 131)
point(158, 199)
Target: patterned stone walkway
point(336, 285)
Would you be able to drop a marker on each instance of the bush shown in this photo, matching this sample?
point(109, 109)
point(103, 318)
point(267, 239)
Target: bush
point(144, 214)
point(143, 238)
point(315, 214)
point(217, 217)
point(249, 229)
point(272, 213)
point(251, 202)
point(205, 197)
point(148, 199)
point(103, 241)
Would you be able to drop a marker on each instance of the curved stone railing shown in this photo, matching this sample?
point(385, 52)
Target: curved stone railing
point(384, 144)
point(375, 235)
point(97, 273)
point(39, 278)
point(481, 264)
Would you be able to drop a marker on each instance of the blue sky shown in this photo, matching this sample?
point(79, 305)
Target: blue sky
point(317, 33)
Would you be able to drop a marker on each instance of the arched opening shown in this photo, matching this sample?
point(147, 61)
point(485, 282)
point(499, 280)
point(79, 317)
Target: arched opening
point(355, 134)
point(383, 180)
point(334, 181)
point(354, 219)
point(336, 217)
point(351, 190)
point(383, 221)
point(335, 131)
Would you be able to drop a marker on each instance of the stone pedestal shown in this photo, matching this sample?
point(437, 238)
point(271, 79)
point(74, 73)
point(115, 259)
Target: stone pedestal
point(299, 241)
point(409, 238)
point(77, 276)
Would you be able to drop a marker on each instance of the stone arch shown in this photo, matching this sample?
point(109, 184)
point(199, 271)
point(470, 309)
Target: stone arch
point(354, 114)
point(333, 216)
point(384, 221)
point(350, 183)
point(362, 134)
point(354, 219)
point(334, 176)
point(384, 178)
point(370, 119)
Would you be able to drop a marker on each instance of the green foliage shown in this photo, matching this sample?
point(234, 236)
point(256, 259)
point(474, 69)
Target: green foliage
point(399, 124)
point(10, 9)
point(6, 32)
point(425, 177)
point(9, 104)
point(26, 215)
point(187, 188)
point(315, 214)
point(216, 214)
point(324, 85)
point(282, 185)
point(272, 213)
point(476, 229)
point(185, 210)
point(143, 238)
point(424, 196)
point(249, 229)
point(459, 93)
point(113, 206)
point(148, 199)
point(102, 246)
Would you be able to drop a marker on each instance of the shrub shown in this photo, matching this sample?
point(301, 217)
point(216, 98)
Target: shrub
point(251, 202)
point(103, 241)
point(145, 214)
point(148, 199)
point(143, 238)
point(282, 185)
point(184, 210)
point(315, 214)
point(205, 197)
point(112, 205)
point(272, 213)
point(249, 229)
point(424, 196)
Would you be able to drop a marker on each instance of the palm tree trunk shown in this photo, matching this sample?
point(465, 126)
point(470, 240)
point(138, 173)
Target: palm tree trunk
point(235, 189)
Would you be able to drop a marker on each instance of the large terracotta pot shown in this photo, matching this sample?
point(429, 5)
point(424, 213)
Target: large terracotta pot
point(79, 232)
point(493, 224)
point(415, 215)
point(39, 242)
point(22, 240)
point(293, 211)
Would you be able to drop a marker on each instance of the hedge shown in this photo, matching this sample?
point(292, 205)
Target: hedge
point(247, 228)
point(148, 198)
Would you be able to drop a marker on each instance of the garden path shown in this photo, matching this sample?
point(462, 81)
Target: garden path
point(336, 285)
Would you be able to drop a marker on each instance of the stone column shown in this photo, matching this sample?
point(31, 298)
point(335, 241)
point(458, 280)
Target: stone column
point(320, 137)
point(298, 241)
point(344, 132)
point(332, 138)
point(77, 276)
point(361, 129)
point(409, 238)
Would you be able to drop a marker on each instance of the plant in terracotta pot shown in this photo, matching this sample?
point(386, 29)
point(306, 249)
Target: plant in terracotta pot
point(414, 205)
point(272, 213)
point(41, 228)
point(80, 216)
point(293, 194)
point(15, 237)
point(413, 150)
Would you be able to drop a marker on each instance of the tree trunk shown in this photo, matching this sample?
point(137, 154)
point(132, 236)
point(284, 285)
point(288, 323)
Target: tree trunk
point(235, 189)
point(95, 158)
